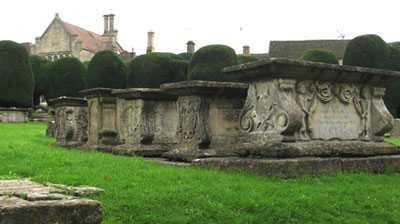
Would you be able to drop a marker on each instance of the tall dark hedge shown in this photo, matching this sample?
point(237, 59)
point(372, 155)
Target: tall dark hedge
point(242, 59)
point(186, 55)
point(319, 55)
point(392, 96)
point(208, 61)
point(106, 70)
point(16, 77)
point(39, 66)
point(368, 51)
point(152, 70)
point(66, 78)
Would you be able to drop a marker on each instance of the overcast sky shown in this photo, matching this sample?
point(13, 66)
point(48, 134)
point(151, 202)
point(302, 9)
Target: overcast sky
point(231, 22)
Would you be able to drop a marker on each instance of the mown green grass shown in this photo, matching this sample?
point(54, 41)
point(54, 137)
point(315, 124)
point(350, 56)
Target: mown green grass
point(141, 191)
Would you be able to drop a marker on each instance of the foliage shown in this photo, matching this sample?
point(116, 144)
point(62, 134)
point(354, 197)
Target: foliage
point(368, 51)
point(86, 64)
point(392, 96)
point(186, 55)
point(170, 194)
point(66, 78)
point(39, 67)
point(319, 55)
point(17, 82)
point(152, 70)
point(106, 70)
point(207, 63)
point(242, 59)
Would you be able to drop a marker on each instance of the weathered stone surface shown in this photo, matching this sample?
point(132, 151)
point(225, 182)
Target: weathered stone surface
point(24, 201)
point(102, 110)
point(395, 132)
point(292, 100)
point(146, 121)
point(71, 121)
point(13, 115)
point(336, 148)
point(306, 165)
point(208, 115)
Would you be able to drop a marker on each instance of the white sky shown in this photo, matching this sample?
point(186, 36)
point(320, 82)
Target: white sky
point(206, 21)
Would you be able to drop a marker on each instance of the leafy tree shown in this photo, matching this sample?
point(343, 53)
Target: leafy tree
point(207, 63)
point(16, 77)
point(152, 70)
point(66, 78)
point(242, 59)
point(106, 70)
point(319, 55)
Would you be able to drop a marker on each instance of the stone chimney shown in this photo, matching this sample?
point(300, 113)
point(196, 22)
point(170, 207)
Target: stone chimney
point(190, 46)
point(246, 50)
point(150, 41)
point(111, 16)
point(105, 24)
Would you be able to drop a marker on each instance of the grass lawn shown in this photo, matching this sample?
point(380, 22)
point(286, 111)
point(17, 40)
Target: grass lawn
point(141, 191)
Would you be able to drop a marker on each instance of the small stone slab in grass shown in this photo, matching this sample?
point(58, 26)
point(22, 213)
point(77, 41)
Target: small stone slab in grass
point(24, 201)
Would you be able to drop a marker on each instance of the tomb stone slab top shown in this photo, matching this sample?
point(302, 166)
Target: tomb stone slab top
point(96, 92)
point(143, 93)
point(14, 109)
point(205, 88)
point(306, 70)
point(67, 101)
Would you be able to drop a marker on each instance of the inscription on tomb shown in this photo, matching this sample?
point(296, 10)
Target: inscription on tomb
point(335, 120)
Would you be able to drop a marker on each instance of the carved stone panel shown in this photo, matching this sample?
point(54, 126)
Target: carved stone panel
point(71, 124)
point(193, 127)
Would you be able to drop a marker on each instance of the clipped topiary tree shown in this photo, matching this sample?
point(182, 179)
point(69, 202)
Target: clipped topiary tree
point(368, 51)
point(39, 67)
point(186, 55)
point(208, 61)
point(66, 78)
point(319, 55)
point(242, 59)
point(152, 70)
point(106, 70)
point(16, 77)
point(392, 96)
point(86, 64)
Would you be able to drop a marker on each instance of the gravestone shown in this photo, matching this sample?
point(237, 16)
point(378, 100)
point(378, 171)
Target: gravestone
point(13, 115)
point(71, 121)
point(146, 121)
point(208, 115)
point(308, 111)
point(395, 132)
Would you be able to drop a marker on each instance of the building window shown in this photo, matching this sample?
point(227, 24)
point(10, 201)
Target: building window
point(49, 58)
point(55, 58)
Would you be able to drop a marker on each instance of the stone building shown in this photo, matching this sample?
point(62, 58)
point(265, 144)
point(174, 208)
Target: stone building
point(294, 49)
point(63, 39)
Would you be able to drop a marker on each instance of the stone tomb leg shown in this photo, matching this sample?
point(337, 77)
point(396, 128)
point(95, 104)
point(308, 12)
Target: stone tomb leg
point(102, 106)
point(297, 109)
point(146, 121)
point(71, 121)
point(208, 114)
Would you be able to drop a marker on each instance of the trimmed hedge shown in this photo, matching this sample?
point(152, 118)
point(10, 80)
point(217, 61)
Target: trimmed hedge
point(186, 56)
point(152, 70)
point(66, 78)
point(106, 70)
point(86, 64)
point(208, 61)
point(242, 59)
point(368, 51)
point(319, 55)
point(39, 67)
point(392, 96)
point(17, 82)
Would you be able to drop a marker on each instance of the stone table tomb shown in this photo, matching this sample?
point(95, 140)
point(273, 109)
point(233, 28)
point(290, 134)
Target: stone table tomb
point(13, 115)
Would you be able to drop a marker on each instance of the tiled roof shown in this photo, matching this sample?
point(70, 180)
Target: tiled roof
point(90, 41)
point(294, 49)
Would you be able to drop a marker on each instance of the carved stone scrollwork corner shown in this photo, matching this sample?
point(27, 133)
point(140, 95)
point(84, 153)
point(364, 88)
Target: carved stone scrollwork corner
point(193, 127)
point(381, 118)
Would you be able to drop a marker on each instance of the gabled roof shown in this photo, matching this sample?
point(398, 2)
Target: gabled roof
point(294, 49)
point(90, 41)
